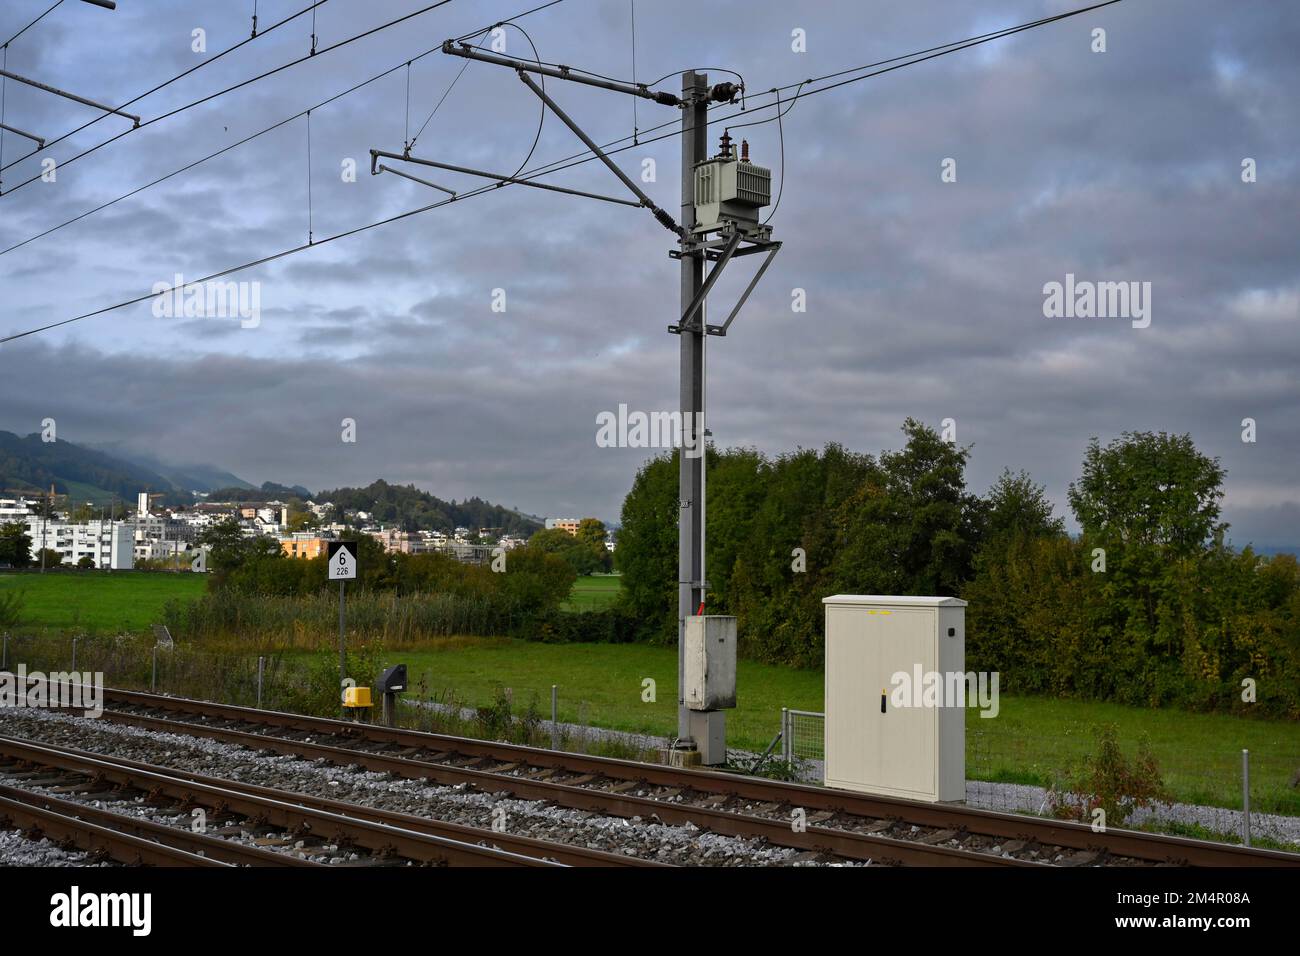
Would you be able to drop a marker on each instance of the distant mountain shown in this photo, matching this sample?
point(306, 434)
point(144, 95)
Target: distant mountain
point(409, 508)
point(97, 475)
point(83, 474)
point(270, 491)
point(196, 477)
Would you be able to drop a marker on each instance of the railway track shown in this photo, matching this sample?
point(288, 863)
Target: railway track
point(578, 791)
point(311, 830)
point(107, 835)
point(847, 825)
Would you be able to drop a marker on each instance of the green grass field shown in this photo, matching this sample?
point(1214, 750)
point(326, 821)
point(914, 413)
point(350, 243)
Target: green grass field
point(102, 601)
point(594, 592)
point(1032, 740)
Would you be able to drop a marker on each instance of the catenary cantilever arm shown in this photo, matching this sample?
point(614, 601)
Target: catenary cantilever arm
point(68, 96)
point(376, 153)
point(415, 179)
point(662, 215)
point(34, 138)
point(560, 72)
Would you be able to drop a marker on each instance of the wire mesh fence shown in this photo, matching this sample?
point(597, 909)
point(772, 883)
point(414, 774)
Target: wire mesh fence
point(307, 683)
point(132, 662)
point(804, 735)
point(1202, 789)
point(1196, 788)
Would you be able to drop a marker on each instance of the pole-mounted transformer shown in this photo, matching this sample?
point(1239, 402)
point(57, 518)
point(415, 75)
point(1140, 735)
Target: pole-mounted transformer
point(731, 191)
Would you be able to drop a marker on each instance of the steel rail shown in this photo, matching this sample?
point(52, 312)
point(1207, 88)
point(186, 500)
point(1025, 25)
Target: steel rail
point(1152, 847)
point(846, 843)
point(1156, 848)
point(375, 837)
point(69, 830)
point(184, 840)
point(174, 783)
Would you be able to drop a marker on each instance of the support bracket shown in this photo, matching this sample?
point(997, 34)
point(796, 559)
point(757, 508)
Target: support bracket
point(720, 257)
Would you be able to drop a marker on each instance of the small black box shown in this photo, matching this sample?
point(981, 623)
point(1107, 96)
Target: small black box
point(393, 680)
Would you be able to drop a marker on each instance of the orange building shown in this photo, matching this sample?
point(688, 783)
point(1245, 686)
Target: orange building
point(304, 547)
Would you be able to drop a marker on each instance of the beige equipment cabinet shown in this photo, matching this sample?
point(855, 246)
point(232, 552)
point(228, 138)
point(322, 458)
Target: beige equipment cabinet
point(872, 746)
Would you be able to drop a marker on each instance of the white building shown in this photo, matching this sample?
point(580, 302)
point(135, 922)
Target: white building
point(107, 543)
point(17, 509)
point(321, 511)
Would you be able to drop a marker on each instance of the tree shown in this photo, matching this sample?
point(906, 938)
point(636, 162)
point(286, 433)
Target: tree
point(302, 521)
point(85, 563)
point(737, 482)
point(647, 546)
point(551, 541)
point(1149, 489)
point(1016, 506)
point(240, 560)
point(15, 545)
point(48, 558)
point(783, 565)
point(910, 528)
point(585, 554)
point(591, 531)
point(534, 578)
point(225, 542)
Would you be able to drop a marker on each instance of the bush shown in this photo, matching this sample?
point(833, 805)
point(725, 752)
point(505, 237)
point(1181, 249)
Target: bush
point(614, 625)
point(319, 692)
point(497, 721)
point(1108, 781)
point(1149, 631)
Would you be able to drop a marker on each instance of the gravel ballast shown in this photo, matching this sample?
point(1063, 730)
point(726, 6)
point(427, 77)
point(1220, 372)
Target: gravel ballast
point(648, 839)
point(18, 850)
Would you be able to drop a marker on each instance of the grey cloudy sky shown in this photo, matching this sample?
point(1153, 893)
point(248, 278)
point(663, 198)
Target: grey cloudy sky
point(924, 298)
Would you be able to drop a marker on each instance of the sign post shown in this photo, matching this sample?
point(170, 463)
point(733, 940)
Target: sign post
point(342, 564)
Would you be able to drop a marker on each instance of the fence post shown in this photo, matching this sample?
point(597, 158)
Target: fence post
point(74, 654)
point(785, 735)
point(153, 678)
point(1245, 797)
point(261, 670)
point(555, 717)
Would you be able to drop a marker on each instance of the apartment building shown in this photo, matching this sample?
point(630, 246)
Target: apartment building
point(564, 524)
point(110, 544)
point(304, 545)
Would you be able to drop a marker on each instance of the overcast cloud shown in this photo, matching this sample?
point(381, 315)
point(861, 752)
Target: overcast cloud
point(924, 298)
